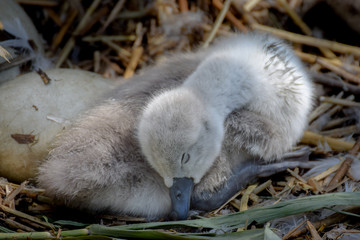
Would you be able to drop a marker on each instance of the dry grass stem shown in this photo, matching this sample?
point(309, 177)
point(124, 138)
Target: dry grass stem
point(296, 175)
point(54, 16)
point(245, 197)
point(328, 171)
point(26, 216)
point(71, 42)
point(335, 144)
point(315, 235)
point(97, 61)
point(63, 30)
point(121, 51)
point(330, 82)
point(307, 40)
point(342, 72)
point(17, 225)
point(119, 5)
point(262, 187)
point(183, 5)
point(336, 122)
point(217, 23)
point(322, 108)
point(250, 4)
point(341, 102)
point(134, 60)
point(341, 132)
point(115, 38)
point(291, 233)
point(302, 25)
point(228, 201)
point(229, 16)
point(341, 172)
point(14, 193)
point(5, 54)
point(44, 3)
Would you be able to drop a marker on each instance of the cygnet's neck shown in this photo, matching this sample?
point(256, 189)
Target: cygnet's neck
point(222, 82)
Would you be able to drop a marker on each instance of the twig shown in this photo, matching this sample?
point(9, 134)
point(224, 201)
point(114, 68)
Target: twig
point(53, 15)
point(134, 60)
point(250, 4)
point(245, 197)
point(336, 122)
point(334, 218)
point(140, 31)
point(295, 17)
point(183, 5)
point(307, 40)
point(302, 25)
point(341, 132)
point(116, 38)
point(14, 193)
point(319, 123)
point(120, 50)
point(342, 102)
point(322, 108)
point(227, 202)
point(229, 16)
point(311, 58)
point(218, 21)
point(342, 72)
point(335, 144)
point(343, 168)
point(26, 216)
point(5, 54)
point(119, 5)
point(328, 172)
point(60, 35)
point(316, 187)
point(96, 61)
point(71, 42)
point(17, 225)
point(291, 233)
point(327, 80)
point(296, 175)
point(262, 187)
point(95, 18)
point(315, 235)
point(44, 3)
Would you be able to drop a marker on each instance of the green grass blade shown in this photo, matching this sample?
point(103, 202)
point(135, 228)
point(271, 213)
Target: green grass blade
point(259, 215)
point(231, 221)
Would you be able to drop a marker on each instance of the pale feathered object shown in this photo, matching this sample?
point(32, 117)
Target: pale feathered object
point(200, 118)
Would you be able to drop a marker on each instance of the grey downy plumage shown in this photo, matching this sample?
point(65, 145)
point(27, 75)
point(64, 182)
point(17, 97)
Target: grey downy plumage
point(188, 128)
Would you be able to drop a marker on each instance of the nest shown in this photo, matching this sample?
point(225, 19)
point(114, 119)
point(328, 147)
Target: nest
point(118, 38)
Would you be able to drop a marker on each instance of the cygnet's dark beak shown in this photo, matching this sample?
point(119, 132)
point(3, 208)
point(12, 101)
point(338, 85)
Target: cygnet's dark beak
point(180, 194)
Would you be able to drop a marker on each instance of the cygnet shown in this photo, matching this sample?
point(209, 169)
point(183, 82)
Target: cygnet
point(183, 130)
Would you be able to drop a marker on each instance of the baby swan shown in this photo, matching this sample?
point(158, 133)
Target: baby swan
point(178, 133)
point(181, 131)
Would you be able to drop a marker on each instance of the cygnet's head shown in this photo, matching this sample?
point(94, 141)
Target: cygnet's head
point(180, 137)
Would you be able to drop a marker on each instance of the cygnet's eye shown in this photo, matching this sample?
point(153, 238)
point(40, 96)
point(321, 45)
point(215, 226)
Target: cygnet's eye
point(178, 195)
point(185, 158)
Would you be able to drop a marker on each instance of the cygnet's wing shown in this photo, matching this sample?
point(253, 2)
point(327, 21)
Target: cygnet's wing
point(246, 132)
point(96, 164)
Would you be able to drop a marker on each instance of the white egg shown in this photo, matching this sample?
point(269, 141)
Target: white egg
point(32, 114)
